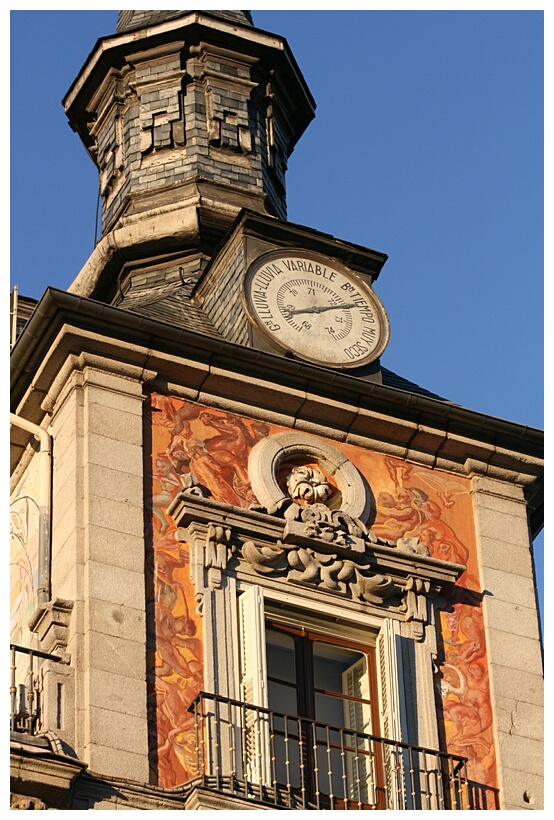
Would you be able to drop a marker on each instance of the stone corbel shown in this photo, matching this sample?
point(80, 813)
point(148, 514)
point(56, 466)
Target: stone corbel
point(51, 623)
point(415, 604)
point(215, 553)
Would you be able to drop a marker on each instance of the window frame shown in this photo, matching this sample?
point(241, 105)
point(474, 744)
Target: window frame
point(383, 637)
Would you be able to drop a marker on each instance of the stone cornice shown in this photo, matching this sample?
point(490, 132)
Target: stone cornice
point(315, 549)
point(261, 385)
point(402, 424)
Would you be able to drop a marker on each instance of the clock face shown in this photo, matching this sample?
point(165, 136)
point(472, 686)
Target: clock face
point(316, 308)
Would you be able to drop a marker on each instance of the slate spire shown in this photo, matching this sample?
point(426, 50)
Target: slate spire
point(133, 20)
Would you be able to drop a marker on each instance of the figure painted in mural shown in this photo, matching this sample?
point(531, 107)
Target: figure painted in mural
point(468, 714)
point(228, 452)
point(168, 483)
point(397, 515)
point(175, 415)
point(179, 662)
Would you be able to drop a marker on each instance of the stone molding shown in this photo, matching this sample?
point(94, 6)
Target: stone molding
point(91, 369)
point(42, 774)
point(369, 415)
point(268, 548)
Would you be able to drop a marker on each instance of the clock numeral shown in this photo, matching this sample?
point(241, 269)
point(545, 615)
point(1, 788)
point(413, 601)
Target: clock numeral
point(339, 319)
point(306, 324)
point(330, 330)
point(311, 291)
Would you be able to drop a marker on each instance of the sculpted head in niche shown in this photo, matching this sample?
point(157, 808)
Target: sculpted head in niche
point(308, 485)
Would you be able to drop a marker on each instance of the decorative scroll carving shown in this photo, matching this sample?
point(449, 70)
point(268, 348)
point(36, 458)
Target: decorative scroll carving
point(267, 559)
point(314, 547)
point(305, 565)
point(330, 525)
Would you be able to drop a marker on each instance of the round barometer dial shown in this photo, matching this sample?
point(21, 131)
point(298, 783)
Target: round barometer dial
point(315, 308)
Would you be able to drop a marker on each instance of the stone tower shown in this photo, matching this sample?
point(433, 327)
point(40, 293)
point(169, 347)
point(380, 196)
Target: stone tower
point(189, 117)
point(252, 567)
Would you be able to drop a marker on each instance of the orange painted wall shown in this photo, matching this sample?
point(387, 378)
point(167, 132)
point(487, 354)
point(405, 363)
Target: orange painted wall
point(432, 505)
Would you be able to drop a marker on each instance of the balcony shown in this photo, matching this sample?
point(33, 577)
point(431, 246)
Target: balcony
point(291, 762)
point(258, 757)
point(26, 688)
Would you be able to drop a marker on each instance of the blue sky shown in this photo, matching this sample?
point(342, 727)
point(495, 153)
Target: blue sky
point(427, 145)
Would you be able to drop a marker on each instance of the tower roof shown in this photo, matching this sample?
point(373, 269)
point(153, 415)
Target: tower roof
point(133, 20)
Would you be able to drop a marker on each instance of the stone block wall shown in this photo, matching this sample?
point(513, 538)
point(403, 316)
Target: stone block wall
point(98, 564)
point(513, 642)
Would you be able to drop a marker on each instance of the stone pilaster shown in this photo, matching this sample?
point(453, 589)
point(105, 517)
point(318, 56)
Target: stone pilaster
point(513, 642)
point(98, 558)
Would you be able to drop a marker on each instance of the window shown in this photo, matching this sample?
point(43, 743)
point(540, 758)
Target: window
point(331, 683)
point(320, 682)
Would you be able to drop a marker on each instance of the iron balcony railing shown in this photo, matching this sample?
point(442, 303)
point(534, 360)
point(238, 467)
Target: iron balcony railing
point(297, 763)
point(25, 688)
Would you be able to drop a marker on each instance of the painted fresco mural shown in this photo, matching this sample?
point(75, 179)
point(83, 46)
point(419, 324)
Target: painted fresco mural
point(214, 445)
point(410, 501)
point(24, 531)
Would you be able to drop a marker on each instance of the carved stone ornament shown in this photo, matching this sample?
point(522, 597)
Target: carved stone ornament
point(51, 622)
point(323, 570)
point(20, 801)
point(217, 541)
point(308, 484)
point(191, 486)
point(271, 452)
point(312, 546)
point(294, 537)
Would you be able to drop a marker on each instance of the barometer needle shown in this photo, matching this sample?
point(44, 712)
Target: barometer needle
point(319, 308)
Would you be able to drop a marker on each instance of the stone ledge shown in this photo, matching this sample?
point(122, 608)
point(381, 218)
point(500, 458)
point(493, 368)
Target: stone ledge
point(39, 772)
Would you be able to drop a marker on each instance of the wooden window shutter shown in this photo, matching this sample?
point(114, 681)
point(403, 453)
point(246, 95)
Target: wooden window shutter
point(255, 724)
